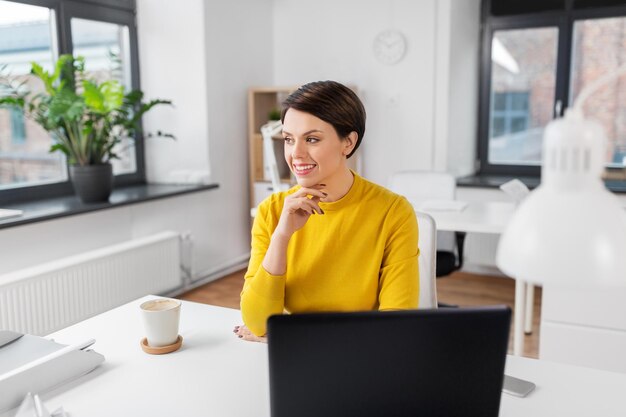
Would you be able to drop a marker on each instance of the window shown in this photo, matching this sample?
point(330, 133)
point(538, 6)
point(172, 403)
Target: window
point(608, 105)
point(25, 36)
point(106, 49)
point(509, 125)
point(104, 32)
point(536, 58)
point(523, 67)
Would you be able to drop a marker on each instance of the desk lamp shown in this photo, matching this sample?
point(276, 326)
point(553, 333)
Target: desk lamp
point(571, 230)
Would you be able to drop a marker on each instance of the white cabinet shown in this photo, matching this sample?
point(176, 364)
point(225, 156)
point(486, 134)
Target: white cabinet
point(584, 327)
point(261, 190)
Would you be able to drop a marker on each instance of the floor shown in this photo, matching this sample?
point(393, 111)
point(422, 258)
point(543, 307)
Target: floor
point(459, 288)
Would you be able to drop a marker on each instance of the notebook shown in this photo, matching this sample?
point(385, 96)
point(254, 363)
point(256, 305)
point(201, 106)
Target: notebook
point(445, 362)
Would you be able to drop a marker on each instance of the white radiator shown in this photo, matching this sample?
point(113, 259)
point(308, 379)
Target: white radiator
point(44, 298)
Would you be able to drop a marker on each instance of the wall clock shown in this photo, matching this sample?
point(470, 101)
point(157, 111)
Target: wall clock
point(389, 46)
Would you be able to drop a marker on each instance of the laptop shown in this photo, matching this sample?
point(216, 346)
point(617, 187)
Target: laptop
point(446, 362)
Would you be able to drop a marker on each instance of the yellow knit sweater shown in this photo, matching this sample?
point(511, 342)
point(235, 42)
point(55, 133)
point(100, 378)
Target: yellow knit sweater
point(360, 255)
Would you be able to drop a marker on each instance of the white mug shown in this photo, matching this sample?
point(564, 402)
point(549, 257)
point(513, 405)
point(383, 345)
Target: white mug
point(160, 319)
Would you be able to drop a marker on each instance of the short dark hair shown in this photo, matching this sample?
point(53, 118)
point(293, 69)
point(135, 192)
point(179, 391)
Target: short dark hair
point(332, 102)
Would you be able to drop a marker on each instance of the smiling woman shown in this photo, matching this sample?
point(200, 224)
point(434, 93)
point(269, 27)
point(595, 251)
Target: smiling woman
point(335, 241)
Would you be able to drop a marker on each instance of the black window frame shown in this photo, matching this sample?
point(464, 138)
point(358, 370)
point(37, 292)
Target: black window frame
point(122, 12)
point(564, 21)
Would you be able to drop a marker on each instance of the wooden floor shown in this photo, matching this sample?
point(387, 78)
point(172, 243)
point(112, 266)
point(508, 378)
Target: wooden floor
point(460, 288)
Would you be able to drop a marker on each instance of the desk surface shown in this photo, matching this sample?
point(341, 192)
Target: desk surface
point(476, 217)
point(217, 374)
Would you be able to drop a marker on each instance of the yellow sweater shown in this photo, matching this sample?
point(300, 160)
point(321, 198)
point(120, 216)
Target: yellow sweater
point(360, 255)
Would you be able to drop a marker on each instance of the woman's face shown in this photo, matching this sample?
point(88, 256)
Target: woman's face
point(313, 150)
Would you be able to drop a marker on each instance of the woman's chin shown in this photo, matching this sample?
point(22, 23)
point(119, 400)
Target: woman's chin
point(305, 182)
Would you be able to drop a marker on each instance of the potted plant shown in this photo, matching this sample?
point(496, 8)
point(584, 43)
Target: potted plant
point(85, 118)
point(274, 114)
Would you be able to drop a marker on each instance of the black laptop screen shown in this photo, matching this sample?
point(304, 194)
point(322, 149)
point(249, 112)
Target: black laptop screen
point(446, 362)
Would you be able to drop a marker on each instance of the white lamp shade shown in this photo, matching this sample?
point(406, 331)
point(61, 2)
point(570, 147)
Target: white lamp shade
point(569, 238)
point(571, 230)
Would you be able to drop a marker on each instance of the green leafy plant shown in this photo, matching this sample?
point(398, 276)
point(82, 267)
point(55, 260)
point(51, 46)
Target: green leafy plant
point(274, 114)
point(86, 119)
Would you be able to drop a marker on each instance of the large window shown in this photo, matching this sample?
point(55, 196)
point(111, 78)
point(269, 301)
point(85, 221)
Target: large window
point(536, 58)
point(104, 33)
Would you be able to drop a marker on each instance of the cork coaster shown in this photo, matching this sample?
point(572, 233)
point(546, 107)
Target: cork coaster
point(163, 349)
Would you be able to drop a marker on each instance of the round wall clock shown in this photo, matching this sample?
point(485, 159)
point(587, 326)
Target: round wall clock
point(389, 46)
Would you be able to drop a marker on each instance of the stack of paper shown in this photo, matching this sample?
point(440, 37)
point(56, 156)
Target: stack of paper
point(516, 189)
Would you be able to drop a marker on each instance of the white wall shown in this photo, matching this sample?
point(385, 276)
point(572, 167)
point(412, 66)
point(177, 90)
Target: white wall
point(456, 80)
point(29, 245)
point(329, 39)
point(172, 50)
point(416, 107)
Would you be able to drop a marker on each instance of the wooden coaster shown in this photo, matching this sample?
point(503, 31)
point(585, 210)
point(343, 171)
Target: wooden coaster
point(163, 349)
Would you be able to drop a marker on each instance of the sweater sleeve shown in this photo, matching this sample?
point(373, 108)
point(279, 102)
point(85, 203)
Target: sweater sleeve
point(263, 294)
point(399, 273)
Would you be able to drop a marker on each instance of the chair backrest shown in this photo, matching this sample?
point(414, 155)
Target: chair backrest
point(420, 186)
point(427, 243)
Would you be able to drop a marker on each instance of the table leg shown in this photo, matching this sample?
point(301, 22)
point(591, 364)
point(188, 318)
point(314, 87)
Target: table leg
point(530, 301)
point(518, 326)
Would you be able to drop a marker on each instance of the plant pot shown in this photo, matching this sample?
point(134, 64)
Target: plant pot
point(92, 183)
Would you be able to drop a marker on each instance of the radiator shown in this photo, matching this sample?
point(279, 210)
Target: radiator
point(44, 298)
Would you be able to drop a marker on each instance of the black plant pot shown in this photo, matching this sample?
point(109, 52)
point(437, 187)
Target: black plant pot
point(92, 183)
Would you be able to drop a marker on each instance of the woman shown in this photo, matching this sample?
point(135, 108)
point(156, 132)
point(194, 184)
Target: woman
point(334, 242)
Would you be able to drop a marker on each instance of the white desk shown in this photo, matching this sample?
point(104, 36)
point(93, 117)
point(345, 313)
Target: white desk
point(491, 217)
point(476, 217)
point(216, 374)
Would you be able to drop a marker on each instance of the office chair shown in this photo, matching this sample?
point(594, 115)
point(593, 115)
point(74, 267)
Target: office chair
point(421, 186)
point(427, 260)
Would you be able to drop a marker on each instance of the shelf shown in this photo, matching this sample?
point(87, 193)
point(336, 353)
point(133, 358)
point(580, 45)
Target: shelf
point(261, 101)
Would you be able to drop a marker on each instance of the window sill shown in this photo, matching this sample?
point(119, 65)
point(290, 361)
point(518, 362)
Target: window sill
point(54, 208)
point(494, 181)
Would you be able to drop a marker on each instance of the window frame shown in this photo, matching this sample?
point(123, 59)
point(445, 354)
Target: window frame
point(564, 21)
point(122, 12)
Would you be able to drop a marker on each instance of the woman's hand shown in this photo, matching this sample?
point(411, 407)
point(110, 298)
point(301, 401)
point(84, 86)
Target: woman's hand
point(297, 209)
point(244, 333)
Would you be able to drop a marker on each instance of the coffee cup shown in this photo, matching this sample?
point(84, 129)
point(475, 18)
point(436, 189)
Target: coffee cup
point(160, 318)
